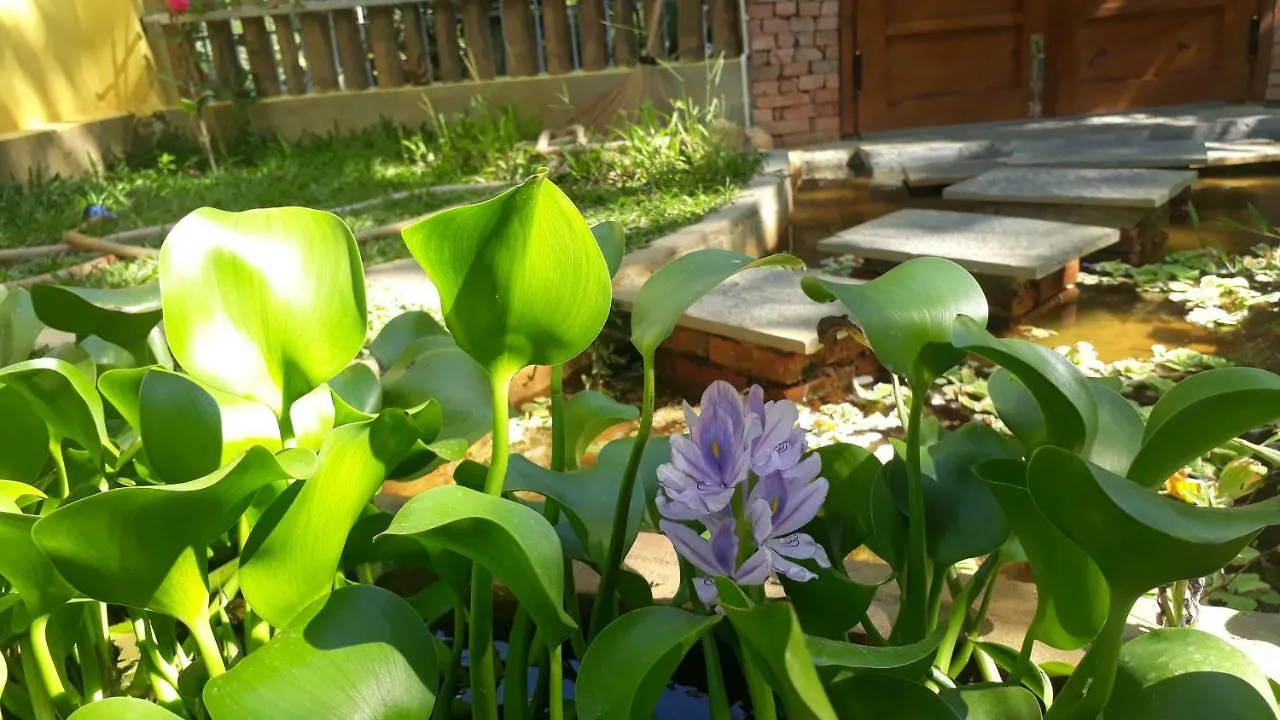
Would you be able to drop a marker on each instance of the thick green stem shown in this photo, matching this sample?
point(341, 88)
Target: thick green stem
point(602, 611)
point(449, 687)
point(914, 622)
point(935, 596)
point(717, 695)
point(516, 696)
point(762, 704)
point(960, 611)
point(559, 443)
point(484, 683)
point(207, 644)
point(147, 648)
point(1089, 688)
point(555, 696)
point(577, 639)
point(92, 683)
point(1024, 655)
point(41, 702)
point(47, 672)
point(986, 666)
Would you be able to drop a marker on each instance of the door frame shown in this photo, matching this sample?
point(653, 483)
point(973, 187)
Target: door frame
point(848, 68)
point(1268, 11)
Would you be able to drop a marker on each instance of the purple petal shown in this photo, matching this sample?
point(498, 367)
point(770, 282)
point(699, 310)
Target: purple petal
point(806, 470)
point(688, 459)
point(690, 417)
point(755, 569)
point(777, 426)
point(791, 570)
point(692, 547)
point(721, 397)
point(755, 401)
point(760, 515)
point(801, 547)
point(724, 544)
point(706, 589)
point(799, 506)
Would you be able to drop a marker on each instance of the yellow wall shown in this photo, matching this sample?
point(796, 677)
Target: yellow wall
point(72, 60)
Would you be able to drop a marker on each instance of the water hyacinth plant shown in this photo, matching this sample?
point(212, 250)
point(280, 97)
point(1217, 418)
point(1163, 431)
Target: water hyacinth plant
point(195, 476)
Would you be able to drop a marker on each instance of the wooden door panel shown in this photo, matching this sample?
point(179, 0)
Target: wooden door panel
point(938, 62)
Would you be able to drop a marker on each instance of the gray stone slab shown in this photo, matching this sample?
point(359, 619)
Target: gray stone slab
point(1109, 154)
point(1071, 186)
point(1011, 247)
point(940, 174)
point(761, 306)
point(1227, 154)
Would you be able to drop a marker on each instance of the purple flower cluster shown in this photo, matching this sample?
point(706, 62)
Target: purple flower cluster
point(742, 466)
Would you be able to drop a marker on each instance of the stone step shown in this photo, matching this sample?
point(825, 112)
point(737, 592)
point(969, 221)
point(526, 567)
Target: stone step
point(1128, 188)
point(992, 245)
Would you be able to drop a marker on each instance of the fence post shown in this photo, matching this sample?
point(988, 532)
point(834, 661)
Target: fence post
point(624, 33)
point(385, 46)
point(475, 28)
point(556, 38)
point(351, 52)
point(691, 47)
point(262, 57)
point(447, 51)
point(655, 31)
point(518, 34)
point(317, 45)
point(294, 77)
point(226, 66)
point(591, 35)
point(417, 61)
point(724, 28)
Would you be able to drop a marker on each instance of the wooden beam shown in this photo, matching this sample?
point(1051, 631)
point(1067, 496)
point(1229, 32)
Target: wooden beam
point(385, 45)
point(594, 48)
point(351, 52)
point(624, 33)
point(226, 65)
point(295, 78)
point(655, 32)
point(478, 34)
point(724, 29)
point(417, 61)
point(262, 57)
point(448, 53)
point(317, 45)
point(690, 45)
point(557, 40)
point(518, 35)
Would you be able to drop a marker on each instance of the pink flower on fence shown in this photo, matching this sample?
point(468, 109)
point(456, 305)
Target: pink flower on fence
point(178, 7)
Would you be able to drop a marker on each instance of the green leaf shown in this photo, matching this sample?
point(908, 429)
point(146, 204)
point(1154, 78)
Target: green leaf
point(26, 438)
point(65, 399)
point(627, 667)
point(19, 326)
point(586, 415)
point(451, 378)
point(145, 546)
point(908, 313)
point(1186, 674)
point(906, 661)
point(1119, 431)
point(400, 334)
point(122, 708)
point(106, 355)
point(123, 316)
point(829, 604)
point(871, 697)
point(122, 387)
point(291, 556)
point(1062, 392)
point(1138, 538)
point(1034, 678)
point(18, 494)
point(1200, 413)
point(266, 304)
point(521, 279)
point(361, 652)
point(513, 542)
point(1072, 598)
point(992, 702)
point(851, 472)
point(676, 286)
point(358, 386)
point(963, 519)
point(611, 237)
point(772, 635)
point(28, 569)
point(1017, 408)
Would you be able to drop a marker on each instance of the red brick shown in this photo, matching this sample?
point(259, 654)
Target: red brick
point(760, 10)
point(827, 123)
point(785, 127)
point(782, 57)
point(784, 9)
point(687, 342)
point(826, 110)
point(822, 66)
point(826, 95)
point(811, 82)
point(799, 112)
point(1071, 273)
point(788, 100)
point(785, 40)
point(796, 69)
point(830, 7)
point(810, 9)
point(767, 87)
point(800, 139)
point(804, 39)
point(755, 27)
point(827, 22)
point(807, 53)
point(831, 52)
point(762, 42)
point(765, 71)
point(833, 80)
point(760, 58)
point(802, 24)
point(757, 362)
point(689, 377)
point(789, 85)
point(775, 25)
point(827, 38)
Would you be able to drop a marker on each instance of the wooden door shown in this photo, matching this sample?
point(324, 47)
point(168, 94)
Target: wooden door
point(941, 62)
point(1113, 55)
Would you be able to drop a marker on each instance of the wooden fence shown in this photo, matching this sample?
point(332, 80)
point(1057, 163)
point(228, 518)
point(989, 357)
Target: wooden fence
point(266, 48)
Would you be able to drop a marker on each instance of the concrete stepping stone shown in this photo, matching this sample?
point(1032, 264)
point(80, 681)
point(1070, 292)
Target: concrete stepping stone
point(992, 245)
point(1131, 188)
point(948, 173)
point(1122, 153)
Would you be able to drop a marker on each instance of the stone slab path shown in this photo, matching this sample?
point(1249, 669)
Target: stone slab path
point(1069, 186)
point(1008, 247)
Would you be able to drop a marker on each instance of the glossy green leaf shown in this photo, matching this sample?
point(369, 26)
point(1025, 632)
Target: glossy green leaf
point(1034, 677)
point(19, 494)
point(1072, 598)
point(627, 667)
point(907, 661)
point(122, 708)
point(361, 652)
point(1017, 408)
point(1119, 431)
point(676, 286)
point(145, 546)
point(1062, 392)
point(772, 635)
point(358, 385)
point(888, 538)
point(400, 333)
point(1200, 413)
point(181, 427)
point(122, 387)
point(521, 279)
point(64, 398)
point(123, 316)
point(266, 304)
point(19, 326)
point(513, 542)
point(992, 702)
point(28, 569)
point(851, 472)
point(963, 519)
point(290, 558)
point(1187, 674)
point(26, 438)
point(1138, 538)
point(829, 604)
point(451, 378)
point(908, 313)
point(611, 237)
point(871, 697)
point(586, 415)
point(106, 355)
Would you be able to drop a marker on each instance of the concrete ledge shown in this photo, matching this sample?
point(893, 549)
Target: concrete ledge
point(67, 149)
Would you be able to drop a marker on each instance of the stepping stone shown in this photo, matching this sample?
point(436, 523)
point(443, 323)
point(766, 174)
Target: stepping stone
point(940, 174)
point(1064, 186)
point(992, 245)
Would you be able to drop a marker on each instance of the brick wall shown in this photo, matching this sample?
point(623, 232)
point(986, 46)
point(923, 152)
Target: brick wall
point(795, 69)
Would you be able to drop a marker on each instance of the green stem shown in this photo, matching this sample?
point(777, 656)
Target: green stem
point(986, 666)
point(762, 704)
point(516, 696)
point(555, 667)
point(962, 658)
point(207, 644)
point(449, 687)
point(41, 704)
point(576, 638)
point(46, 668)
point(717, 695)
point(92, 682)
point(484, 683)
point(147, 648)
point(960, 611)
point(872, 632)
point(941, 679)
point(602, 611)
point(559, 448)
point(915, 618)
point(1024, 655)
point(1090, 685)
point(935, 596)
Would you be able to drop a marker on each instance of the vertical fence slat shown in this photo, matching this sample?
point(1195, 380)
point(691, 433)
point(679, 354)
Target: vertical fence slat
point(475, 28)
point(655, 43)
point(417, 61)
point(351, 53)
point(518, 34)
point(448, 54)
point(556, 37)
point(724, 29)
point(294, 78)
point(591, 30)
point(262, 56)
point(624, 33)
point(226, 66)
point(318, 46)
point(385, 46)
point(690, 45)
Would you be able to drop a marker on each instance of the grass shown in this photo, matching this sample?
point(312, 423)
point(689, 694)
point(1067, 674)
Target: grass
point(669, 170)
